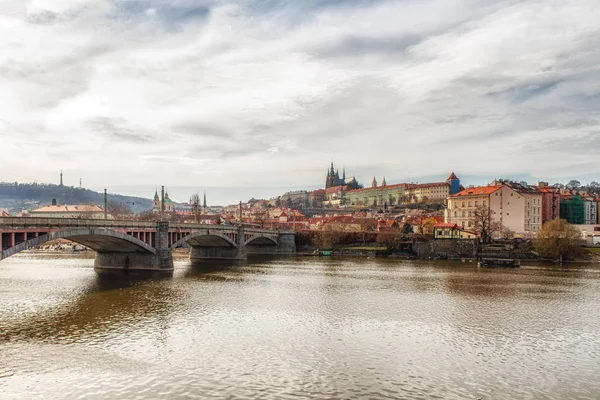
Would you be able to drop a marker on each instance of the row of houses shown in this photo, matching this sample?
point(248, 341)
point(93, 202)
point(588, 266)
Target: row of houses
point(519, 207)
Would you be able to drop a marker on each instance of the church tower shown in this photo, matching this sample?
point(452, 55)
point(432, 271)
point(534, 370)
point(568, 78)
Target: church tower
point(454, 183)
point(204, 206)
point(156, 202)
point(374, 183)
point(330, 181)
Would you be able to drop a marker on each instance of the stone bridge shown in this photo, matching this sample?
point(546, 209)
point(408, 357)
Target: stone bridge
point(143, 245)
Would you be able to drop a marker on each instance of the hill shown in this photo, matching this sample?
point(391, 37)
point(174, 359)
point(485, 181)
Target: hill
point(16, 197)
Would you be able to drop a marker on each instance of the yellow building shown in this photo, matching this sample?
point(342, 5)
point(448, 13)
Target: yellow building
point(436, 192)
point(376, 196)
point(452, 231)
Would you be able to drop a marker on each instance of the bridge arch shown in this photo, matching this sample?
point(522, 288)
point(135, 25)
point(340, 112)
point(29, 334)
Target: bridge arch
point(205, 239)
point(261, 239)
point(99, 240)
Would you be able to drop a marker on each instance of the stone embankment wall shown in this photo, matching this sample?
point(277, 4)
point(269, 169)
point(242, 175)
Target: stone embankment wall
point(445, 248)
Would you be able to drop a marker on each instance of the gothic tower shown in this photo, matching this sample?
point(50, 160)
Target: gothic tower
point(330, 181)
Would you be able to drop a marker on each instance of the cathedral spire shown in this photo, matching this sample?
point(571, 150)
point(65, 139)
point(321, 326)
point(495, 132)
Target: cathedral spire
point(344, 173)
point(383, 183)
point(374, 183)
point(204, 202)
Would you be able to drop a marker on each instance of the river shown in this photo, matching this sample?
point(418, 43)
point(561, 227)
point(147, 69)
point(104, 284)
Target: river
point(299, 328)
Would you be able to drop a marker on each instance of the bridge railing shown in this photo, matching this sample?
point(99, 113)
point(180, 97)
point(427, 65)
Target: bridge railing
point(222, 227)
point(32, 222)
point(22, 222)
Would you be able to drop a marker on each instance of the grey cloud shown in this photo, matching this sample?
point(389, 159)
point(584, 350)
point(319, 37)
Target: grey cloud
point(356, 46)
point(582, 144)
point(522, 93)
point(114, 129)
point(199, 129)
point(43, 17)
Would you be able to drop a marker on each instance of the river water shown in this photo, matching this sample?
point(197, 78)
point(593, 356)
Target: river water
point(299, 328)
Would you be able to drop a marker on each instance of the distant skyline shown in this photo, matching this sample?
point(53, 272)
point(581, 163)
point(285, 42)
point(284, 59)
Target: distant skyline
point(264, 94)
point(225, 195)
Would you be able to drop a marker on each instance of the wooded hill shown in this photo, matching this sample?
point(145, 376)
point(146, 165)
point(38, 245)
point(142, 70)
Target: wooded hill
point(16, 197)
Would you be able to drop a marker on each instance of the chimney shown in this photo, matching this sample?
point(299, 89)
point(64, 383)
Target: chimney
point(53, 202)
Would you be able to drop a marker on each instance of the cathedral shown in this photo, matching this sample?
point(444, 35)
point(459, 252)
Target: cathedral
point(169, 205)
point(333, 179)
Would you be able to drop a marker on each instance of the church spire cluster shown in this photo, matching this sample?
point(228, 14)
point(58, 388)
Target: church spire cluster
point(333, 178)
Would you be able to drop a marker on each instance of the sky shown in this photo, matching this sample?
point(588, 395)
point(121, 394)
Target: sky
point(265, 93)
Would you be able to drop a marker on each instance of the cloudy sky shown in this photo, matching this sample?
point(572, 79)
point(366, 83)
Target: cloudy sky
point(264, 93)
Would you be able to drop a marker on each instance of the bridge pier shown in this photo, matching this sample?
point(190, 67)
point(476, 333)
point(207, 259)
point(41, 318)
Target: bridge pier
point(126, 261)
point(161, 261)
point(199, 253)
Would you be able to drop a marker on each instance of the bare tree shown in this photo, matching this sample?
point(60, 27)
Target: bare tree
point(484, 225)
point(118, 210)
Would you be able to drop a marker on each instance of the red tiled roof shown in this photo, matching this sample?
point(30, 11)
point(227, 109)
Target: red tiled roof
point(477, 191)
point(70, 208)
point(444, 226)
point(424, 185)
point(405, 185)
point(336, 189)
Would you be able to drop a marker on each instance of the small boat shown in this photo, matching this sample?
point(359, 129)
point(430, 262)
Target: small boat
point(499, 262)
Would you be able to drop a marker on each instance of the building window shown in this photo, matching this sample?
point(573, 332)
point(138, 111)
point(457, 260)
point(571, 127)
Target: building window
point(470, 214)
point(476, 203)
point(469, 204)
point(463, 203)
point(456, 213)
point(484, 203)
point(463, 214)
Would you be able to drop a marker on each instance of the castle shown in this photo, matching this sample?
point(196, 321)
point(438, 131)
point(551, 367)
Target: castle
point(333, 179)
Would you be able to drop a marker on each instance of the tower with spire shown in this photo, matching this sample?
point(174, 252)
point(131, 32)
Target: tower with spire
point(204, 206)
point(333, 178)
point(374, 183)
point(156, 202)
point(454, 183)
point(61, 178)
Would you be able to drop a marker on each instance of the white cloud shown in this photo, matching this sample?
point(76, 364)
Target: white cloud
point(155, 92)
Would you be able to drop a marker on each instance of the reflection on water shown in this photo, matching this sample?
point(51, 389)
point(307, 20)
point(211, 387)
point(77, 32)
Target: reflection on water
point(299, 327)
